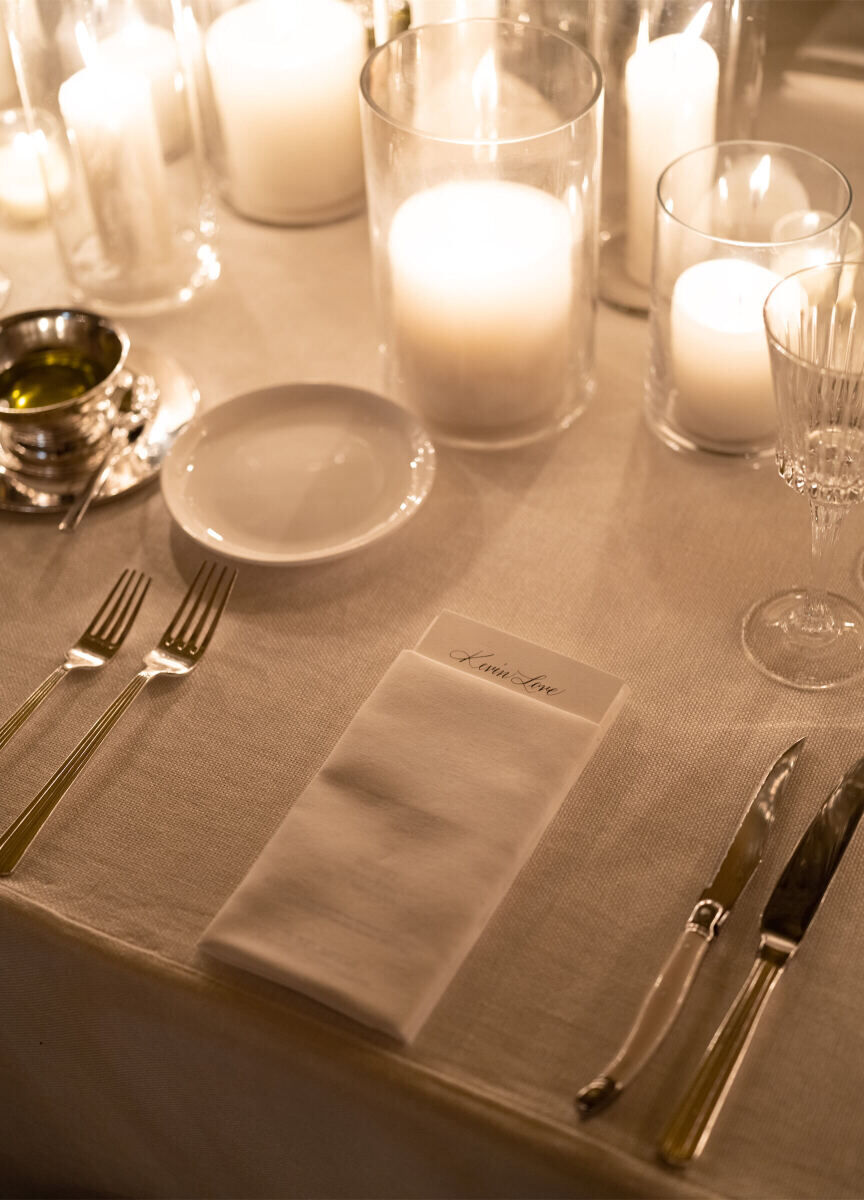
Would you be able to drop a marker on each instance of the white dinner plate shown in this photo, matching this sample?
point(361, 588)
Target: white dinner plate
point(297, 473)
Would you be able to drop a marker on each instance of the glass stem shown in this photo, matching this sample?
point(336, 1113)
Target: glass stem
point(825, 520)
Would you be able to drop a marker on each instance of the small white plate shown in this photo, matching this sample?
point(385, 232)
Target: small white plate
point(297, 473)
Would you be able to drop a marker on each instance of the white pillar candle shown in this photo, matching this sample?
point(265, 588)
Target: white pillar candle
point(285, 77)
point(111, 123)
point(22, 184)
point(670, 87)
point(482, 283)
point(720, 362)
point(152, 52)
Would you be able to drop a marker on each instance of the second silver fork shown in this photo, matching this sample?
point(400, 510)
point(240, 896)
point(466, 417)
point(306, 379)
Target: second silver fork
point(96, 646)
point(179, 650)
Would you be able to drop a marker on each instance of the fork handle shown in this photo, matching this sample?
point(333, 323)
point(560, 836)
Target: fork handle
point(30, 705)
point(17, 838)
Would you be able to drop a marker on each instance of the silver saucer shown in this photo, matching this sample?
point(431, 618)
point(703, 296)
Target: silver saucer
point(178, 399)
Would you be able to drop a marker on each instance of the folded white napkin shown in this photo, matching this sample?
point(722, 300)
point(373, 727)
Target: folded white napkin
point(384, 872)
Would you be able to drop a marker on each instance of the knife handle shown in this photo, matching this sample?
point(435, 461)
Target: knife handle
point(654, 1020)
point(692, 1121)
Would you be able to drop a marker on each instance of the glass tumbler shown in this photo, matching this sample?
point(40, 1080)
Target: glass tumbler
point(679, 74)
point(108, 82)
point(722, 241)
point(482, 150)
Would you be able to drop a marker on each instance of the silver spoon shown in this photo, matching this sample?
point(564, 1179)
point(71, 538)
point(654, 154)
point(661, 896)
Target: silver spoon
point(136, 410)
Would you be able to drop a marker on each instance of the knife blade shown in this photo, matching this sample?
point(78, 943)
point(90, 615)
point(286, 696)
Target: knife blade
point(669, 990)
point(791, 907)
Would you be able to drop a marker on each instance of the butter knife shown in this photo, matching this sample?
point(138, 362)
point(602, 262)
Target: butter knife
point(669, 991)
point(790, 909)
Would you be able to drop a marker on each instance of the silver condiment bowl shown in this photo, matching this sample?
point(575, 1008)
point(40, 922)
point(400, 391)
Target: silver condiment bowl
point(66, 437)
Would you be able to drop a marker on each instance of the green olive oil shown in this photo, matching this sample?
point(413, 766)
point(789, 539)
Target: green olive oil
point(48, 375)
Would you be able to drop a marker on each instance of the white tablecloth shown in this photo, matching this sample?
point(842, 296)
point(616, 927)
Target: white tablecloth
point(133, 1065)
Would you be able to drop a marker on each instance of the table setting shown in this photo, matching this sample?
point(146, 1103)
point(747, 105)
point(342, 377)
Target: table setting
point(331, 349)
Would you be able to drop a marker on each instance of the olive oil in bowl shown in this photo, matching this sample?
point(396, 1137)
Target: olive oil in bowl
point(48, 375)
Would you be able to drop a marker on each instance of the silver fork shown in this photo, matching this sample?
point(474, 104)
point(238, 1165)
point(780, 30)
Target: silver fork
point(180, 649)
point(99, 642)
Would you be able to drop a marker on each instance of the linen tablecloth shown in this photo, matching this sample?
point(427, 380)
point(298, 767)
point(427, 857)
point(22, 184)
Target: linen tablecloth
point(133, 1065)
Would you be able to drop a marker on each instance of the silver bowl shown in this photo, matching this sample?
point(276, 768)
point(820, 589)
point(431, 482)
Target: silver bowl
point(64, 437)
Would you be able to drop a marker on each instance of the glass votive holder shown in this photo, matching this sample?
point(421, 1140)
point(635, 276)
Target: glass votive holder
point(719, 249)
point(678, 75)
point(107, 88)
point(281, 77)
point(482, 151)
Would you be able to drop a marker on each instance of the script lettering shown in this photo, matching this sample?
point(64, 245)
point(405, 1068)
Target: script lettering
point(484, 660)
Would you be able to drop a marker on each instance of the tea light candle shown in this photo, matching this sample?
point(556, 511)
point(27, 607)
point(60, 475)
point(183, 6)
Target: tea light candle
point(22, 187)
point(285, 77)
point(152, 52)
point(112, 128)
point(482, 291)
point(670, 88)
point(720, 360)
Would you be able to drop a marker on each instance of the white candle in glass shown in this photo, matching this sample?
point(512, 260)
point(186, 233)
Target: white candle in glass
point(152, 52)
point(22, 185)
point(112, 129)
point(670, 87)
point(482, 279)
point(720, 361)
point(285, 77)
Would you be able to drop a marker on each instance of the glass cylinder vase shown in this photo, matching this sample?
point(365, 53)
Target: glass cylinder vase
point(482, 151)
point(678, 75)
point(732, 220)
point(110, 102)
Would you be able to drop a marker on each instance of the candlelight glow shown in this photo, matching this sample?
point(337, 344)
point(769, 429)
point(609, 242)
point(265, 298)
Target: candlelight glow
point(697, 25)
point(760, 180)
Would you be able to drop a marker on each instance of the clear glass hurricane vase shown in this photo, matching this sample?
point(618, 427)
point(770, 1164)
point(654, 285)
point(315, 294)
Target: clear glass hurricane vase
point(810, 637)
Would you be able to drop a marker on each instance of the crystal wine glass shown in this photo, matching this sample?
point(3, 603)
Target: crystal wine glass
point(810, 637)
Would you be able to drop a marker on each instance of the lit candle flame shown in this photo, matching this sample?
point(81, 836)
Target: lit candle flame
point(86, 43)
point(484, 93)
point(642, 38)
point(484, 89)
point(697, 25)
point(760, 179)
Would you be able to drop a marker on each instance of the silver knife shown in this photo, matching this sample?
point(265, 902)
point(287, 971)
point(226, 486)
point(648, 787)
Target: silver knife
point(790, 909)
point(663, 1003)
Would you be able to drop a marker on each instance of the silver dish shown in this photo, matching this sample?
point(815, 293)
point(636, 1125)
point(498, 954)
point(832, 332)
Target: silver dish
point(21, 491)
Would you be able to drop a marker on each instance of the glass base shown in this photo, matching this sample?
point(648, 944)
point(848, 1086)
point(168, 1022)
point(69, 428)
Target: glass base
point(509, 437)
point(115, 297)
point(677, 439)
point(777, 641)
point(616, 286)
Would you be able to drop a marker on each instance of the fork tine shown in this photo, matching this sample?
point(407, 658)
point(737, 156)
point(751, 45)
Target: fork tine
point(131, 609)
point(195, 643)
point(217, 612)
point(193, 597)
point(120, 584)
point(191, 639)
